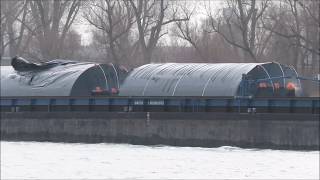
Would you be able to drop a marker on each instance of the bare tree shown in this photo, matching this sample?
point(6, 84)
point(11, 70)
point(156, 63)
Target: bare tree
point(113, 19)
point(151, 16)
point(299, 21)
point(53, 19)
point(209, 47)
point(237, 24)
point(190, 32)
point(72, 44)
point(16, 32)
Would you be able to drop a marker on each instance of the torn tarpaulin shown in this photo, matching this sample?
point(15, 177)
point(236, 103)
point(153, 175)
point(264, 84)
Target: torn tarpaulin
point(21, 64)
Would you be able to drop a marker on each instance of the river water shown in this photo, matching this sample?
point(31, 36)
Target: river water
point(42, 160)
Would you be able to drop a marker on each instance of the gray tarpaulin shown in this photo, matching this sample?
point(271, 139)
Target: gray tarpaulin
point(200, 79)
point(72, 78)
point(58, 78)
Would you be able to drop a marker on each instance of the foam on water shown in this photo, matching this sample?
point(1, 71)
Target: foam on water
point(29, 160)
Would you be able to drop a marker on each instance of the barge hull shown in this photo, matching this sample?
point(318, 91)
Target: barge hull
point(204, 129)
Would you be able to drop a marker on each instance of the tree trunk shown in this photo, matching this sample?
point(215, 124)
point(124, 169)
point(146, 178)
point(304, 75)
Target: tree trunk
point(147, 55)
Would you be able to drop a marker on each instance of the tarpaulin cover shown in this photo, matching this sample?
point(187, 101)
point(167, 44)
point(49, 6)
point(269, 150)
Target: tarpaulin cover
point(199, 79)
point(57, 78)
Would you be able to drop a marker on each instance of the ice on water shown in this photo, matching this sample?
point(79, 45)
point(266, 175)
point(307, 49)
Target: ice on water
point(42, 160)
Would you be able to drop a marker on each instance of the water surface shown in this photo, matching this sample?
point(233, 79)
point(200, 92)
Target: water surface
point(41, 160)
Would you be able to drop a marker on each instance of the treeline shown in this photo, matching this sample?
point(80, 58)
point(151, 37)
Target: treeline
point(135, 32)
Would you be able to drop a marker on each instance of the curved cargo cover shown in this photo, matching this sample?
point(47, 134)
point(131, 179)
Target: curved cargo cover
point(58, 78)
point(200, 79)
